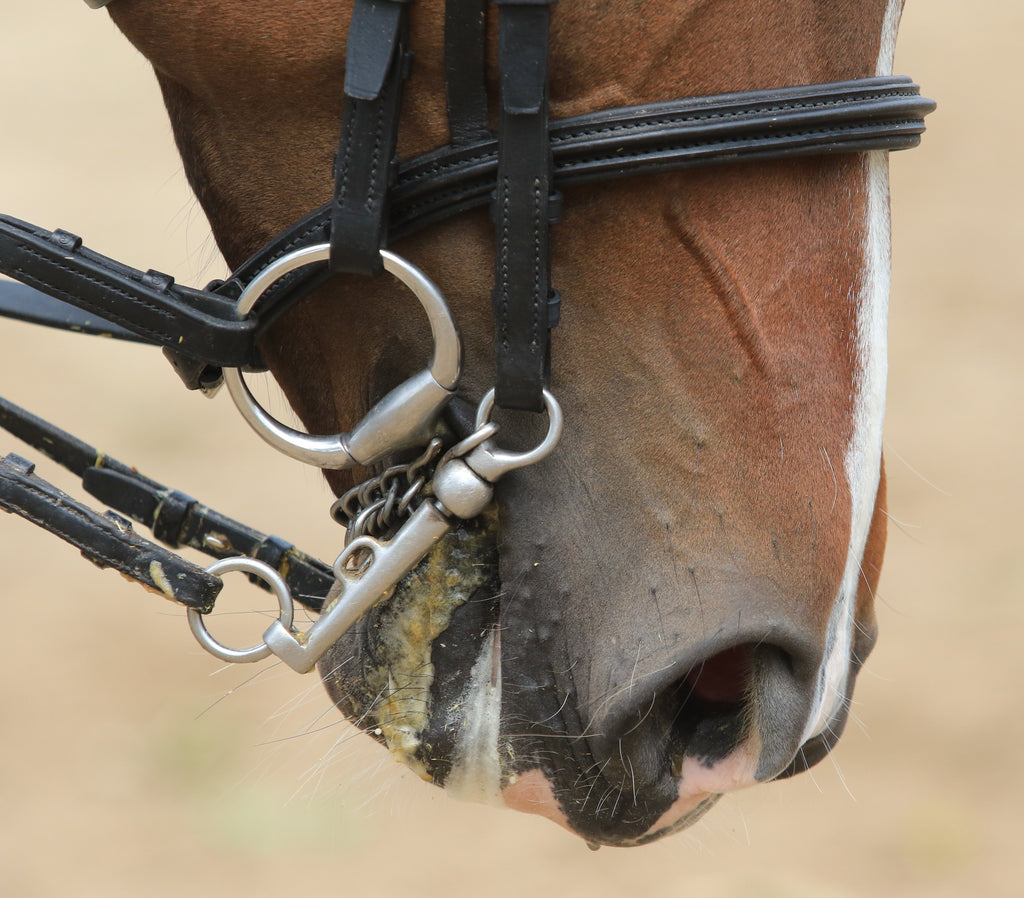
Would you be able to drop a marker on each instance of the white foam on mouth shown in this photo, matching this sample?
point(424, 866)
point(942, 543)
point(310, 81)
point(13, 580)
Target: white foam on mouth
point(863, 458)
point(476, 771)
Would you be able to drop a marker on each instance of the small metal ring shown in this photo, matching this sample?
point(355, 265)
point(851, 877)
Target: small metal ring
point(284, 602)
point(478, 436)
point(500, 461)
point(333, 451)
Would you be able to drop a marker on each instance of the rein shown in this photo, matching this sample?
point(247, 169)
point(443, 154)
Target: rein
point(211, 336)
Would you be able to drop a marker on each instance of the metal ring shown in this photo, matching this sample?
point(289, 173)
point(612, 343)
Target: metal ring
point(499, 461)
point(284, 602)
point(419, 398)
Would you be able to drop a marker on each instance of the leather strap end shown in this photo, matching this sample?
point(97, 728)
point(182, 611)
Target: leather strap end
point(372, 37)
point(107, 540)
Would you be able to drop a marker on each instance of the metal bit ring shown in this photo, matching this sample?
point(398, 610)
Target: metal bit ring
point(402, 419)
point(491, 462)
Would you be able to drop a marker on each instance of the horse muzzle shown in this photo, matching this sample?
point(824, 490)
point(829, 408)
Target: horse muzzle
point(503, 694)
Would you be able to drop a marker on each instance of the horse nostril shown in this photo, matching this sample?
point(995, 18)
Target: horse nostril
point(710, 702)
point(708, 714)
point(701, 715)
point(721, 679)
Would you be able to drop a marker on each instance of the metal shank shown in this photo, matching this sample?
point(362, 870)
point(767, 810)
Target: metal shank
point(359, 589)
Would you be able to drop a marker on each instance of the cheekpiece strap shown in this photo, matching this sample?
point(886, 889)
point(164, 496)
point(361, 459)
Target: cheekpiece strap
point(523, 211)
point(465, 61)
point(365, 166)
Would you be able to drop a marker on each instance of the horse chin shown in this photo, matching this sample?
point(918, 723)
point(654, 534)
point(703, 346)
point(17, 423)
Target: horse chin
point(401, 674)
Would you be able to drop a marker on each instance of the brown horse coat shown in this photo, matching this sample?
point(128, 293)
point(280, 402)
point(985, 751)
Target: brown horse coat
point(676, 602)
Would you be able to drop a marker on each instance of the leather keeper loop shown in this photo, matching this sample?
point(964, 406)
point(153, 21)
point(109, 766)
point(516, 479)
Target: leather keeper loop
point(171, 516)
point(272, 551)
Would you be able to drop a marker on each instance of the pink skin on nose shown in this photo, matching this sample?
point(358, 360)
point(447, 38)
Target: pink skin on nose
point(721, 680)
point(698, 782)
point(531, 793)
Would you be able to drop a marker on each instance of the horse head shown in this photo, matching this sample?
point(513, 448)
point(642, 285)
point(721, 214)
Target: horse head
point(675, 603)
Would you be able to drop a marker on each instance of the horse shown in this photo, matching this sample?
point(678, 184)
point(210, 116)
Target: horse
point(676, 602)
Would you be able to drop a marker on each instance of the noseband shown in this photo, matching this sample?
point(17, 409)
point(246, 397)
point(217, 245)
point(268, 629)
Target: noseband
point(212, 335)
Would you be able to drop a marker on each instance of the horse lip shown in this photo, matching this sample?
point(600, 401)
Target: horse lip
point(684, 822)
point(595, 841)
point(405, 659)
point(476, 773)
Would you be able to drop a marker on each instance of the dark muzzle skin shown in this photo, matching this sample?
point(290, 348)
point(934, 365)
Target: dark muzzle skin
point(591, 729)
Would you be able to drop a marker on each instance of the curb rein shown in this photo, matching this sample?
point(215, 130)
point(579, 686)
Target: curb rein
point(210, 336)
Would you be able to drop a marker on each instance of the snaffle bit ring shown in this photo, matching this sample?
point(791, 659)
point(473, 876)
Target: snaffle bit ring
point(403, 419)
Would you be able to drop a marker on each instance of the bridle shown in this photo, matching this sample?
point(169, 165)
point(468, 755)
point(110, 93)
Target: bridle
point(212, 335)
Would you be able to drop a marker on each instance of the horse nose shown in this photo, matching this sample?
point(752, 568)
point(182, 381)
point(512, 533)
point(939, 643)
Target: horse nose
point(736, 716)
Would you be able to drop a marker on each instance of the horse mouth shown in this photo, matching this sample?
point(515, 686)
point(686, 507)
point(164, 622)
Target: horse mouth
point(401, 674)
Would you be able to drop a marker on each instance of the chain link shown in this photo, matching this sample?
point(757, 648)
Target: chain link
point(376, 506)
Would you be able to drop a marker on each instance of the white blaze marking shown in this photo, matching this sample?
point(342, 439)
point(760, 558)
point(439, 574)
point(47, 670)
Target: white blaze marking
point(887, 47)
point(863, 458)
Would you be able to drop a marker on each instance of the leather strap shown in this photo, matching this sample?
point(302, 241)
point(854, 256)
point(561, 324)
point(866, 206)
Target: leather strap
point(465, 48)
point(841, 117)
point(884, 113)
point(27, 304)
point(196, 323)
point(174, 517)
point(364, 166)
point(106, 540)
point(522, 211)
point(178, 520)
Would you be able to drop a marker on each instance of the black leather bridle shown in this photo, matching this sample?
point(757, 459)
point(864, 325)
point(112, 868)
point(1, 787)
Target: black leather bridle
point(520, 171)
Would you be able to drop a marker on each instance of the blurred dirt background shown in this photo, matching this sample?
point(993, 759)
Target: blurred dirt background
point(133, 764)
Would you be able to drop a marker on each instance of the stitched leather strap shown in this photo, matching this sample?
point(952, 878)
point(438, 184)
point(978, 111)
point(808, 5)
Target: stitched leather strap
point(174, 517)
point(522, 271)
point(177, 519)
point(24, 303)
point(884, 113)
point(842, 117)
point(196, 323)
point(364, 165)
point(106, 540)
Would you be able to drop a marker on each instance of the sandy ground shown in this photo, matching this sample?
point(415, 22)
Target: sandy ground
point(131, 763)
